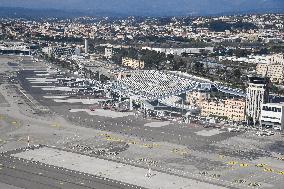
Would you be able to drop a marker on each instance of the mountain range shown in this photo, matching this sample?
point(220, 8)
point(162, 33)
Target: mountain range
point(138, 7)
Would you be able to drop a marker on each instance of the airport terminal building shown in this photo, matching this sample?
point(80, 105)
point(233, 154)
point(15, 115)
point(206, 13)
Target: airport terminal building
point(272, 114)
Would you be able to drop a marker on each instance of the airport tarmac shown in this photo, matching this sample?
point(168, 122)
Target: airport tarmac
point(32, 174)
point(206, 155)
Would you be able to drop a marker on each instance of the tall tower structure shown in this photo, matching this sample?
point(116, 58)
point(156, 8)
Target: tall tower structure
point(86, 46)
point(256, 94)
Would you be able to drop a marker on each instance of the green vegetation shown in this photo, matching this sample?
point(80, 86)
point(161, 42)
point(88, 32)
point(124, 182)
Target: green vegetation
point(276, 48)
point(220, 26)
point(120, 53)
point(226, 72)
point(153, 60)
point(276, 90)
point(59, 39)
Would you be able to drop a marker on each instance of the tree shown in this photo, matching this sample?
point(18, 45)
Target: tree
point(241, 53)
point(237, 74)
point(152, 59)
point(263, 51)
point(179, 65)
point(132, 53)
point(198, 67)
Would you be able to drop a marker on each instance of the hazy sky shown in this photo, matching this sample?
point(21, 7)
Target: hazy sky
point(150, 6)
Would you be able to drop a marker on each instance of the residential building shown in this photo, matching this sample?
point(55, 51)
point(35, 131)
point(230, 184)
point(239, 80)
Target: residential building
point(256, 95)
point(277, 59)
point(272, 114)
point(196, 97)
point(232, 109)
point(256, 59)
point(274, 71)
point(133, 63)
point(108, 52)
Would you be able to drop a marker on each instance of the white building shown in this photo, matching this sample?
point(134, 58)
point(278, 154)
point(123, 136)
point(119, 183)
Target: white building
point(272, 114)
point(86, 46)
point(61, 51)
point(277, 59)
point(256, 59)
point(257, 94)
point(19, 48)
point(274, 71)
point(108, 52)
point(179, 51)
point(133, 63)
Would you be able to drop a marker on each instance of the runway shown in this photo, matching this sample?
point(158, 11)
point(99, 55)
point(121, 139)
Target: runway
point(34, 175)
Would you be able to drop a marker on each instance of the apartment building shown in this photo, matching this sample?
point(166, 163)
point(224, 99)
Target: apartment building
point(196, 97)
point(233, 109)
point(277, 59)
point(133, 63)
point(108, 52)
point(274, 71)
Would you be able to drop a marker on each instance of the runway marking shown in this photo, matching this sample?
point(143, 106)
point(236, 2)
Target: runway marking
point(180, 151)
point(268, 170)
point(132, 142)
point(244, 165)
point(261, 165)
point(115, 139)
point(20, 139)
point(232, 163)
point(55, 125)
point(221, 156)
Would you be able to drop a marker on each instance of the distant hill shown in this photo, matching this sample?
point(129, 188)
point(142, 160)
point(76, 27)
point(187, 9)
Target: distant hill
point(16, 12)
point(152, 7)
point(118, 8)
point(19, 12)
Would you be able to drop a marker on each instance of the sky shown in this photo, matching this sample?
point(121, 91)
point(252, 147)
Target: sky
point(144, 7)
